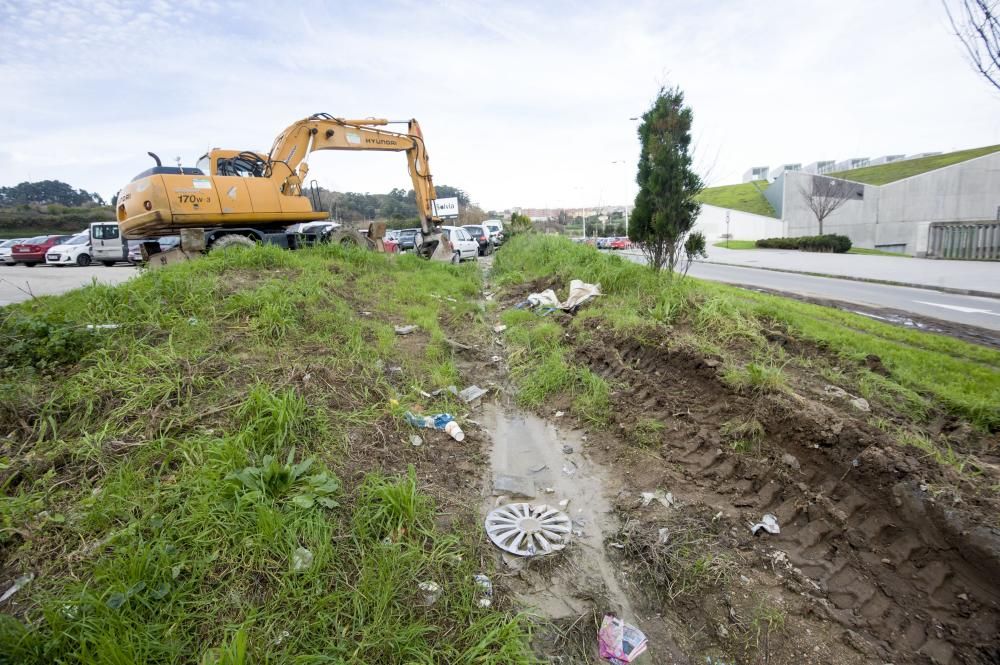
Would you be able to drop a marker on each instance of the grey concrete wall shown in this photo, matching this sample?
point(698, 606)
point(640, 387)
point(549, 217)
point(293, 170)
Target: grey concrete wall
point(742, 225)
point(775, 193)
point(900, 213)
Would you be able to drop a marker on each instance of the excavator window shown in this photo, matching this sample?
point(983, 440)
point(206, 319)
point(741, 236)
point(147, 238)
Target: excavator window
point(245, 165)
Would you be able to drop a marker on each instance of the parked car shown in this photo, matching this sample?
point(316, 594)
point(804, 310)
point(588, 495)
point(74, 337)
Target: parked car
point(32, 251)
point(495, 227)
point(408, 239)
point(5, 249)
point(465, 247)
point(75, 251)
point(135, 247)
point(481, 235)
point(620, 243)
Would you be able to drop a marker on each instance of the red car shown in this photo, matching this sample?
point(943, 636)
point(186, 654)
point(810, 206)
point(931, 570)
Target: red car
point(33, 250)
point(620, 243)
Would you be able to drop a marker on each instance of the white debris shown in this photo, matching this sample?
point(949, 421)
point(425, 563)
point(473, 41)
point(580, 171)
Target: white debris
point(768, 523)
point(18, 584)
point(499, 328)
point(666, 499)
point(861, 404)
point(405, 330)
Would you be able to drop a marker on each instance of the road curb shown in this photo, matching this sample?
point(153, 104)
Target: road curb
point(928, 287)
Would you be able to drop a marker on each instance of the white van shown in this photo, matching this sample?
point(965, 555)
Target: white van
point(107, 244)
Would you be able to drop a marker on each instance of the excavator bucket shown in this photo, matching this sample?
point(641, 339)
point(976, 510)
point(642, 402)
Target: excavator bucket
point(444, 250)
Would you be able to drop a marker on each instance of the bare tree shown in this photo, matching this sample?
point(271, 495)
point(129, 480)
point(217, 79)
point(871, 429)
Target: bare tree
point(825, 195)
point(977, 24)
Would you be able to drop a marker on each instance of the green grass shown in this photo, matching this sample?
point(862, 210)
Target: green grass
point(926, 369)
point(883, 174)
point(744, 196)
point(198, 485)
point(752, 244)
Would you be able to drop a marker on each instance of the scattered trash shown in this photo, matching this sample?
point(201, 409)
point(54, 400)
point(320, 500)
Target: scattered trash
point(425, 394)
point(579, 293)
point(617, 546)
point(834, 391)
point(569, 468)
point(663, 535)
point(440, 391)
point(444, 422)
point(472, 393)
point(559, 414)
point(395, 369)
point(768, 523)
point(564, 504)
point(281, 638)
point(405, 330)
point(620, 642)
point(431, 591)
point(515, 486)
point(567, 449)
point(495, 359)
point(499, 328)
point(666, 499)
point(861, 404)
point(549, 490)
point(302, 558)
point(18, 584)
point(717, 516)
point(103, 326)
point(527, 530)
point(540, 468)
point(486, 590)
point(416, 440)
point(791, 460)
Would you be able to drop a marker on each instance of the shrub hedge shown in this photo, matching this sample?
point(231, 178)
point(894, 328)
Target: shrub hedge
point(825, 243)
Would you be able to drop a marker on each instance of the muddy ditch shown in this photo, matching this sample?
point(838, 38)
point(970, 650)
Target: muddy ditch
point(882, 556)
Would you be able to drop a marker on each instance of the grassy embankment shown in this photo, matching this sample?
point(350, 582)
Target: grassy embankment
point(752, 244)
point(208, 482)
point(27, 221)
point(927, 372)
point(745, 196)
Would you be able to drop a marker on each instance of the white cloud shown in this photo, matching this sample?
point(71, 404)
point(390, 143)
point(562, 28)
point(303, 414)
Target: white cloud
point(522, 104)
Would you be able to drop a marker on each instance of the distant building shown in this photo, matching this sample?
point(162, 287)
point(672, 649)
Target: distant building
point(886, 159)
point(852, 163)
point(820, 167)
point(923, 154)
point(778, 171)
point(755, 173)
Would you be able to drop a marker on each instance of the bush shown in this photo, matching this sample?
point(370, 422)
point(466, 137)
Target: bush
point(826, 243)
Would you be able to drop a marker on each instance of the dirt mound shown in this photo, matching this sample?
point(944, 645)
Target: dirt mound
point(873, 539)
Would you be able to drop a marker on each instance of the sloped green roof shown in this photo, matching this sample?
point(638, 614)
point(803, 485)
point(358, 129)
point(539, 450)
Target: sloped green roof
point(906, 168)
point(745, 197)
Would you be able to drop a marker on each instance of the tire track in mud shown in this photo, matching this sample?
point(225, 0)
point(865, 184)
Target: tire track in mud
point(858, 531)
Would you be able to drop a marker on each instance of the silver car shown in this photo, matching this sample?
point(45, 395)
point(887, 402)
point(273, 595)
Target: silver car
point(5, 248)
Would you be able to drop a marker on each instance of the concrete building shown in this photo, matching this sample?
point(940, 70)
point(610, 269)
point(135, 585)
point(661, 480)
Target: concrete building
point(951, 212)
point(820, 167)
point(886, 159)
point(755, 173)
point(852, 163)
point(777, 171)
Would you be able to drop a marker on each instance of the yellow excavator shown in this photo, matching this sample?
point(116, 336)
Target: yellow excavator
point(237, 197)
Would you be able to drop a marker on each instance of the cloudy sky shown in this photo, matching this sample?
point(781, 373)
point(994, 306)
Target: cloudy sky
point(522, 104)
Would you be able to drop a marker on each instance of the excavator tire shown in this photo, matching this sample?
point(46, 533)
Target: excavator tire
point(232, 240)
point(349, 238)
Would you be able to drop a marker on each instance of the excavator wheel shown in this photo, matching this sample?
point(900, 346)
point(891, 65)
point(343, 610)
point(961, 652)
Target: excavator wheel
point(349, 238)
point(232, 240)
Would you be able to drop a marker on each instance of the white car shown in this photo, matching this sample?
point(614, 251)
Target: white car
point(5, 249)
point(465, 247)
point(73, 252)
point(495, 227)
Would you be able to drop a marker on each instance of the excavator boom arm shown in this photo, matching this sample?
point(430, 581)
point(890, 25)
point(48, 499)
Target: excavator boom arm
point(323, 132)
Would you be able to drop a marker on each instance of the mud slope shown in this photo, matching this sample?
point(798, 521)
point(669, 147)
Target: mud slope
point(868, 536)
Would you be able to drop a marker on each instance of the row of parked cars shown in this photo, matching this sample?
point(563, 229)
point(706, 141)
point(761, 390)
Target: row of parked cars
point(469, 241)
point(79, 249)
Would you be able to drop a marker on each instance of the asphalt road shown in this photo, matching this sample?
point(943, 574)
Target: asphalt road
point(966, 310)
point(18, 283)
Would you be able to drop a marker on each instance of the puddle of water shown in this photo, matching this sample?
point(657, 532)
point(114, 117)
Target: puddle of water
point(526, 445)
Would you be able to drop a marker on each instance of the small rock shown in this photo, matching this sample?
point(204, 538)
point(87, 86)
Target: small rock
point(567, 449)
point(861, 404)
point(499, 328)
point(887, 562)
point(711, 362)
point(559, 414)
point(416, 441)
point(405, 330)
point(791, 460)
point(563, 504)
point(834, 391)
point(963, 596)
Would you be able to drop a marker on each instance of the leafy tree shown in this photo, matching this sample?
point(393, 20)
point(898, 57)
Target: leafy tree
point(665, 208)
point(520, 224)
point(45, 192)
